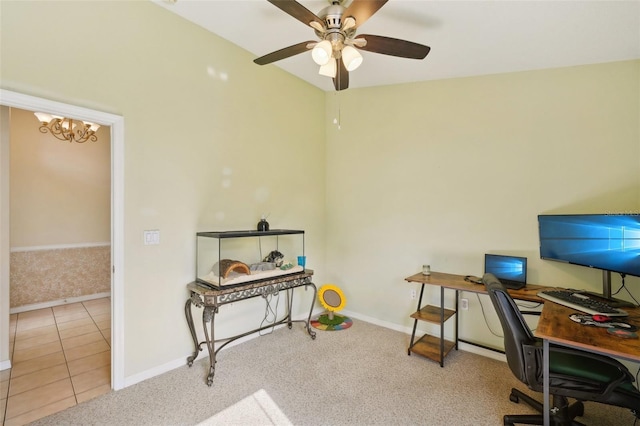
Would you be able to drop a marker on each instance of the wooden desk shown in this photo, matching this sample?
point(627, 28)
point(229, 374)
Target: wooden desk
point(457, 282)
point(211, 299)
point(555, 327)
point(436, 348)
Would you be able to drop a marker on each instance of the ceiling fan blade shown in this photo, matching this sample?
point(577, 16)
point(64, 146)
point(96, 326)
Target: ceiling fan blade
point(394, 47)
point(297, 10)
point(283, 53)
point(341, 80)
point(363, 10)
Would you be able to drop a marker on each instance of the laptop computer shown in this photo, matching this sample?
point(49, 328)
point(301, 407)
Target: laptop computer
point(510, 270)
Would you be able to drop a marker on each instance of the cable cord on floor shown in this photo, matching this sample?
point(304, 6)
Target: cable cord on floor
point(270, 314)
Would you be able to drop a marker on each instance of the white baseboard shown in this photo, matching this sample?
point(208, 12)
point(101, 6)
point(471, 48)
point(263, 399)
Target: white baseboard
point(59, 302)
point(180, 362)
point(407, 330)
point(156, 371)
point(371, 320)
point(478, 350)
point(5, 365)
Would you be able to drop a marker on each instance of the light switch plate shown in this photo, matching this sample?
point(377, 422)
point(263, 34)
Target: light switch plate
point(151, 237)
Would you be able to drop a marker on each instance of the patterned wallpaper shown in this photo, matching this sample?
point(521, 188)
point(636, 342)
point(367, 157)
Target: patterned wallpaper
point(39, 276)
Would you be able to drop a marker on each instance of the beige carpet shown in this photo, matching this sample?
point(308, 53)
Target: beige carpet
point(358, 376)
point(256, 409)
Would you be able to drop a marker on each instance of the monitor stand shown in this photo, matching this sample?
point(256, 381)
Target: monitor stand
point(606, 293)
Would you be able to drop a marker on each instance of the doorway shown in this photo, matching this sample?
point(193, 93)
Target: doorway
point(116, 123)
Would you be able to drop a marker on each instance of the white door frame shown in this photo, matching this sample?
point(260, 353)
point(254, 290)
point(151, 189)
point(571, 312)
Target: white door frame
point(116, 122)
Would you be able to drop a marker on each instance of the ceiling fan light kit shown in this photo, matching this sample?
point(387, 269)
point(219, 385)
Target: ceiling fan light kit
point(351, 58)
point(336, 28)
point(329, 69)
point(322, 52)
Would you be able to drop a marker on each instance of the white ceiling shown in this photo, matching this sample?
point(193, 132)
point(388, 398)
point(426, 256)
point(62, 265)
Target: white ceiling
point(466, 37)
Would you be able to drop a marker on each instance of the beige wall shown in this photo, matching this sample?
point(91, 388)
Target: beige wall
point(212, 141)
point(60, 209)
point(442, 172)
point(60, 191)
point(438, 172)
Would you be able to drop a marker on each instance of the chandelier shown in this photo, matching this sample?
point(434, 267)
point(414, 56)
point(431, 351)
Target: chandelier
point(67, 129)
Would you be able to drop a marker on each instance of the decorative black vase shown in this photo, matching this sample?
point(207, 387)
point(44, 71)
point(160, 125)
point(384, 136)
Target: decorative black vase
point(263, 225)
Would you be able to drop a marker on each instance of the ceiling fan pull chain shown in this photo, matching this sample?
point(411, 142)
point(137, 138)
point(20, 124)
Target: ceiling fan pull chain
point(338, 120)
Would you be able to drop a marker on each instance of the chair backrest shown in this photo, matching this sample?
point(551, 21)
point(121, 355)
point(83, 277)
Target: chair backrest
point(516, 332)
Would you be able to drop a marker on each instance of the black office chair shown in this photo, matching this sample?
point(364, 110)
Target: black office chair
point(573, 373)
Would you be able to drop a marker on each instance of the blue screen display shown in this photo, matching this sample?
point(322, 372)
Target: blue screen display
point(607, 242)
point(506, 267)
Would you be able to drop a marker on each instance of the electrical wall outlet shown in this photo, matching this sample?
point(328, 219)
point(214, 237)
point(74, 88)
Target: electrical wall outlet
point(413, 294)
point(464, 304)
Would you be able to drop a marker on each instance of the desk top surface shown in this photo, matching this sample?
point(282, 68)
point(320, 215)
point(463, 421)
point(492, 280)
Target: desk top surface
point(555, 326)
point(457, 282)
point(554, 323)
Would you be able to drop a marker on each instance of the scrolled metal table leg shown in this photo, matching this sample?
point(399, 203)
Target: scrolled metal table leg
point(192, 329)
point(208, 316)
point(313, 300)
point(289, 292)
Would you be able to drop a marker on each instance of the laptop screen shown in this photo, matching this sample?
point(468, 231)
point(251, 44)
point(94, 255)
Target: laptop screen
point(508, 269)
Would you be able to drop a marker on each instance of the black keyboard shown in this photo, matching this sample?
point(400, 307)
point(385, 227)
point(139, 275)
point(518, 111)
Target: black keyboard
point(582, 303)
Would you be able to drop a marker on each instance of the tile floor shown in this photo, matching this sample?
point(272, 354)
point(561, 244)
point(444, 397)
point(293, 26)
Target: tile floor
point(60, 357)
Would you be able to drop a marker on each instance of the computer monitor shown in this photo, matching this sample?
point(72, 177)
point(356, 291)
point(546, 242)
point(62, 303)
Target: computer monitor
point(510, 270)
point(608, 241)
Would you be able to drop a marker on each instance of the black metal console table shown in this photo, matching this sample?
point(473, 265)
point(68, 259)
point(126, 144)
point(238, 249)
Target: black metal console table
point(211, 299)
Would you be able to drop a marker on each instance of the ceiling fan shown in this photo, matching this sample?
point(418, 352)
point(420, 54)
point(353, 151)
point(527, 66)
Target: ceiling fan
point(335, 26)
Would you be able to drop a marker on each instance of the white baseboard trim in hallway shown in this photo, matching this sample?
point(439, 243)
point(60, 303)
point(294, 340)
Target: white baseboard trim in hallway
point(59, 302)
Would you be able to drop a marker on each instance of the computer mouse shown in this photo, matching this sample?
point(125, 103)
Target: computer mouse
point(601, 318)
